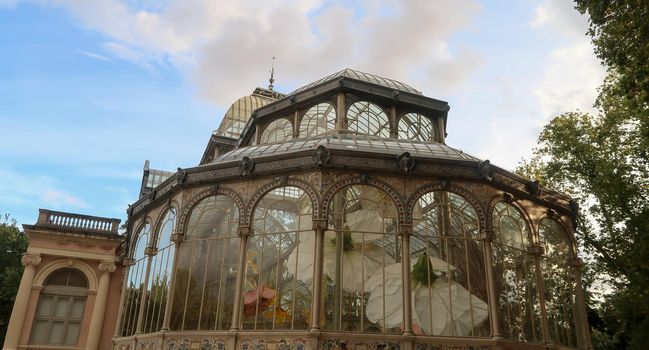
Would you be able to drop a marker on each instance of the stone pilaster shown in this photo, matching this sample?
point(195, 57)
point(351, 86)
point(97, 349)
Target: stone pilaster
point(17, 319)
point(97, 319)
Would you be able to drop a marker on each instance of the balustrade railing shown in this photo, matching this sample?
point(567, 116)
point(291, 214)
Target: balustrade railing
point(63, 220)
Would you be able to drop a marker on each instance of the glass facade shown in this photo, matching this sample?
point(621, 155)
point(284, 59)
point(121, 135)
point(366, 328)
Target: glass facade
point(279, 263)
point(340, 248)
point(448, 268)
point(137, 275)
point(361, 252)
point(207, 267)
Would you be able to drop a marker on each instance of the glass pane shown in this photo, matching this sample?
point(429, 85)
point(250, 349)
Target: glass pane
point(277, 131)
point(161, 264)
point(67, 277)
point(45, 305)
point(515, 276)
point(447, 268)
point(39, 332)
point(369, 119)
point(416, 127)
point(318, 120)
point(56, 332)
point(61, 306)
point(279, 262)
point(207, 267)
point(77, 308)
point(72, 334)
point(361, 267)
point(558, 281)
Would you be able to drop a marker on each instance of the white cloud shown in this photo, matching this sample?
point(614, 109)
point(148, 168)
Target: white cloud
point(560, 17)
point(94, 55)
point(571, 80)
point(573, 73)
point(19, 189)
point(58, 199)
point(226, 46)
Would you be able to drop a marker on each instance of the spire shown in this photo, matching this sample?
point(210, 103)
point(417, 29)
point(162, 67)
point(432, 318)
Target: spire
point(272, 75)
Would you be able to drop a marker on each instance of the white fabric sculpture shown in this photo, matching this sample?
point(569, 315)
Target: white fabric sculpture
point(362, 260)
point(443, 308)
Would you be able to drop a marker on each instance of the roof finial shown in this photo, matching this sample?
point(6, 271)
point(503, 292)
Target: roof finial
point(272, 75)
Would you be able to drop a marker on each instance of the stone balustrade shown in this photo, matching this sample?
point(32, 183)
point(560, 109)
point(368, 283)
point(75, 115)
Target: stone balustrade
point(63, 220)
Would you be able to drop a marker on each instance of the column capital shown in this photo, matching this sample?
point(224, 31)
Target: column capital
point(487, 235)
point(319, 224)
point(176, 238)
point(244, 230)
point(405, 229)
point(107, 266)
point(30, 259)
point(149, 251)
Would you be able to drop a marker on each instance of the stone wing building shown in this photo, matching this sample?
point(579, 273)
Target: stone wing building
point(332, 217)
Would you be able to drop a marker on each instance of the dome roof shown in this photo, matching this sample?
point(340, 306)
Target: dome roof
point(366, 77)
point(237, 116)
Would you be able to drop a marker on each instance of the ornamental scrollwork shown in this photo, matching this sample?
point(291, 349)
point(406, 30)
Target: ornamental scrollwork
point(321, 155)
point(246, 166)
point(107, 266)
point(405, 162)
point(30, 259)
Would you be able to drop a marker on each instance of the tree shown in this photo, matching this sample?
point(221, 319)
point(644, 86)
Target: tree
point(13, 245)
point(604, 161)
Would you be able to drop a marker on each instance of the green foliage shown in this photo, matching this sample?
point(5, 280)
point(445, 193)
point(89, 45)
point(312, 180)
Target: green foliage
point(423, 273)
point(348, 241)
point(603, 161)
point(13, 245)
point(620, 32)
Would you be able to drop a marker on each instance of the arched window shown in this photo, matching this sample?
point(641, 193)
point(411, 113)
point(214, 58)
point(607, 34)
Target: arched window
point(367, 118)
point(361, 267)
point(279, 262)
point(515, 275)
point(206, 270)
point(558, 282)
point(416, 127)
point(448, 275)
point(277, 131)
point(60, 309)
point(318, 120)
point(159, 280)
point(135, 282)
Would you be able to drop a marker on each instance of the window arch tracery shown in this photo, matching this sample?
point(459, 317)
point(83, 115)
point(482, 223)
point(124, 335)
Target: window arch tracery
point(361, 267)
point(448, 273)
point(318, 120)
point(159, 282)
point(278, 274)
point(515, 274)
point(416, 127)
point(206, 270)
point(278, 130)
point(60, 309)
point(558, 281)
point(367, 118)
point(135, 282)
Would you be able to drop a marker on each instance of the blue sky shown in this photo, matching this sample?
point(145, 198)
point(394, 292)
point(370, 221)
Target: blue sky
point(90, 89)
